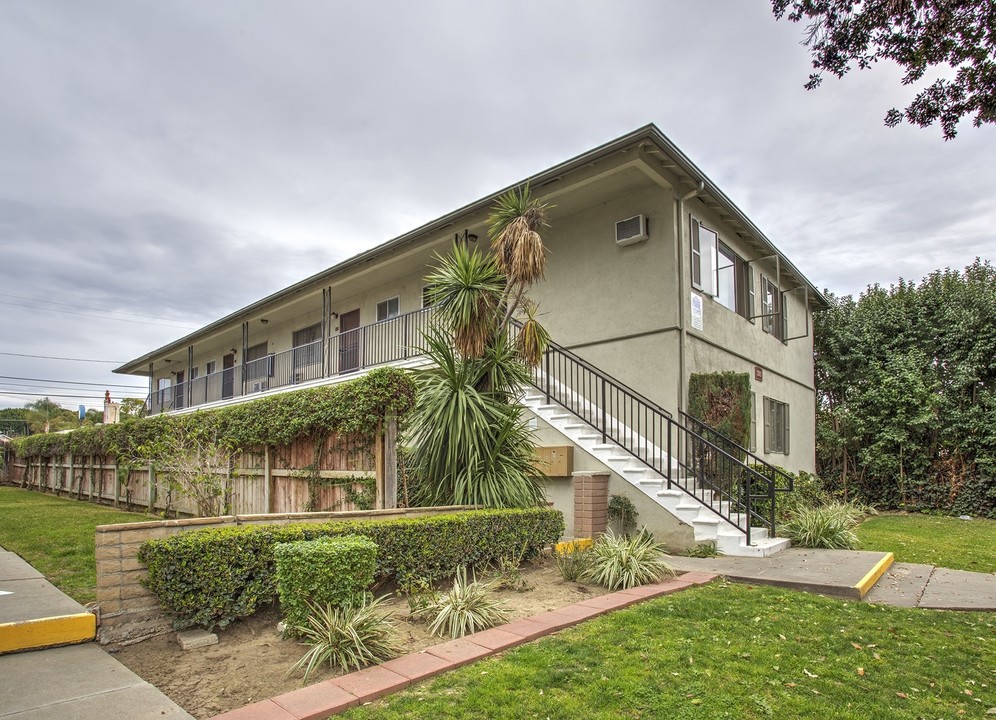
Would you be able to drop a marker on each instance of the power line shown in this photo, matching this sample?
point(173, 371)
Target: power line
point(50, 357)
point(83, 307)
point(52, 395)
point(69, 382)
point(99, 317)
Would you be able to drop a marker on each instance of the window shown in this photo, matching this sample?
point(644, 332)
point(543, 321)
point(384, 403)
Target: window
point(209, 368)
point(704, 243)
point(772, 309)
point(718, 271)
point(776, 426)
point(388, 309)
point(194, 373)
point(753, 422)
point(258, 363)
point(427, 296)
point(307, 348)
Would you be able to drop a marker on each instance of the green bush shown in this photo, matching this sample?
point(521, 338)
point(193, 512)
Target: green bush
point(329, 571)
point(211, 577)
point(824, 526)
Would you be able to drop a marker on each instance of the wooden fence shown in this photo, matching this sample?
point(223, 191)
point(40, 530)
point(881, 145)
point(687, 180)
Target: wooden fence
point(308, 475)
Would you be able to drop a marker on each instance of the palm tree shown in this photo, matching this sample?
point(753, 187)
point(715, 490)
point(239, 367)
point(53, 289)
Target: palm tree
point(469, 442)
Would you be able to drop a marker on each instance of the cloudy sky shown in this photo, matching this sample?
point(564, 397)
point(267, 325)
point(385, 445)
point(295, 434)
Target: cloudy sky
point(165, 163)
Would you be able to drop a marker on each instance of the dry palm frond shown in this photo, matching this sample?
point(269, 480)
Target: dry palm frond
point(533, 338)
point(514, 226)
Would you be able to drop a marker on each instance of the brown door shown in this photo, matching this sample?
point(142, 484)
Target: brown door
point(228, 375)
point(349, 341)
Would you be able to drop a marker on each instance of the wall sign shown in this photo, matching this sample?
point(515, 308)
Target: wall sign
point(696, 311)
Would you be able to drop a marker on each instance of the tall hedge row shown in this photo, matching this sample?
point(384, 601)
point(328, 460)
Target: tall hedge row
point(211, 577)
point(906, 393)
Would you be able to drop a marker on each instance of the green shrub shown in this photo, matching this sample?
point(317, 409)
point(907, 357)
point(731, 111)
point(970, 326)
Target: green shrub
point(572, 562)
point(210, 577)
point(618, 562)
point(466, 608)
point(622, 510)
point(329, 571)
point(825, 526)
point(345, 637)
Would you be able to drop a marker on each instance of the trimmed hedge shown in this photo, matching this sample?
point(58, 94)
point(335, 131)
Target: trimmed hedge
point(211, 577)
point(327, 571)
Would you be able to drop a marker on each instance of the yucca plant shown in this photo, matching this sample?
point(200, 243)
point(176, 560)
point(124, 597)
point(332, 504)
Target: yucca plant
point(466, 608)
point(618, 562)
point(469, 447)
point(345, 637)
point(829, 526)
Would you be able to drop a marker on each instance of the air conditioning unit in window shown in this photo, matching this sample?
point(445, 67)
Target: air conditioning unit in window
point(631, 230)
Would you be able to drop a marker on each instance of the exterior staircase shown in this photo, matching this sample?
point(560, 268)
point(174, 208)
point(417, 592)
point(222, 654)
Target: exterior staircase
point(706, 480)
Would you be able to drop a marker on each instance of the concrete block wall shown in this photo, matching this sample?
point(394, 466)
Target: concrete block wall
point(129, 612)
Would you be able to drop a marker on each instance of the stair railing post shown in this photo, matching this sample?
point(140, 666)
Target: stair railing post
point(603, 411)
point(546, 359)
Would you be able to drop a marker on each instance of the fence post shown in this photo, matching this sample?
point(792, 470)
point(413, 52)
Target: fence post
point(153, 486)
point(391, 464)
point(267, 481)
point(379, 466)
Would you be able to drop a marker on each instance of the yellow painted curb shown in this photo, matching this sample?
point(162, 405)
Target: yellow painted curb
point(45, 632)
point(869, 580)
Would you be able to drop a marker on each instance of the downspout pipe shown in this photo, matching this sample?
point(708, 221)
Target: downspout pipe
point(683, 287)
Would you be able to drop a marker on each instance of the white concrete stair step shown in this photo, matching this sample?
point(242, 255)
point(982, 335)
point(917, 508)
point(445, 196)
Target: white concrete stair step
point(706, 528)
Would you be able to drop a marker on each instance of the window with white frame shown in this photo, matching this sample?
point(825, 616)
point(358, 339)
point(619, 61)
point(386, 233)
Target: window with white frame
point(209, 368)
point(776, 426)
point(718, 271)
point(773, 315)
point(427, 296)
point(388, 309)
point(704, 242)
point(258, 363)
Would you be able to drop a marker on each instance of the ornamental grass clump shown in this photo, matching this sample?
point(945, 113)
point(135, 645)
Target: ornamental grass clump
point(618, 562)
point(345, 637)
point(466, 608)
point(828, 526)
point(573, 560)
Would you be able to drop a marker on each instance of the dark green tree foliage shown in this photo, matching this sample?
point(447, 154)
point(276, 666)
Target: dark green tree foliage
point(722, 401)
point(906, 393)
point(955, 38)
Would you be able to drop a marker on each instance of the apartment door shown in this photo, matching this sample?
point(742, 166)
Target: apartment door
point(228, 375)
point(349, 341)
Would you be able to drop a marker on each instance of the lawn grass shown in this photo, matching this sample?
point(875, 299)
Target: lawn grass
point(932, 540)
point(56, 536)
point(729, 651)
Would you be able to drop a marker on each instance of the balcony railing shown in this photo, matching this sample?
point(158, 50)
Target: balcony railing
point(347, 352)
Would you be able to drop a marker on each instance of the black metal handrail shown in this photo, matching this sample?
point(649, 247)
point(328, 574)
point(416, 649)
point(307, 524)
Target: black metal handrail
point(689, 460)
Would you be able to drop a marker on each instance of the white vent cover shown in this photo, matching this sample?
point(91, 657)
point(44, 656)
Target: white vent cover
point(631, 230)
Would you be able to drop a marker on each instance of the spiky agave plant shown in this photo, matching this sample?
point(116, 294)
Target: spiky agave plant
point(620, 562)
point(345, 637)
point(466, 608)
point(533, 338)
point(514, 229)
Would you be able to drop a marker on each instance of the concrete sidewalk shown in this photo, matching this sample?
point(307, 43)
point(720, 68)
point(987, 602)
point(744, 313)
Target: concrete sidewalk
point(857, 574)
point(59, 673)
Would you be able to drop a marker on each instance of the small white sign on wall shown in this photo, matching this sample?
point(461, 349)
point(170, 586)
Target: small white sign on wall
point(696, 311)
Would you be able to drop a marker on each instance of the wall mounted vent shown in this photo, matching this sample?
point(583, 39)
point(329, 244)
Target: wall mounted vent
point(631, 230)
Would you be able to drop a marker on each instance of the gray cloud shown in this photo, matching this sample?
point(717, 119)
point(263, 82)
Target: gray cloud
point(147, 145)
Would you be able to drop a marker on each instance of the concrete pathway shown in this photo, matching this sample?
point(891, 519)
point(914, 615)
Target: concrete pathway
point(857, 574)
point(58, 673)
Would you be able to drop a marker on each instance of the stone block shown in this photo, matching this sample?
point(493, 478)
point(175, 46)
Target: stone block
point(198, 638)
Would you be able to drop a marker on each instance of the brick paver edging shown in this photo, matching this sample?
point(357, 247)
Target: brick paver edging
point(330, 697)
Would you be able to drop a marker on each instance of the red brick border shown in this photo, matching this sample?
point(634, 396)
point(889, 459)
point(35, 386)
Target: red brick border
point(334, 696)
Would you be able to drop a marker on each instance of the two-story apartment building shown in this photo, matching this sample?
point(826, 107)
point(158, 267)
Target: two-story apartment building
point(653, 274)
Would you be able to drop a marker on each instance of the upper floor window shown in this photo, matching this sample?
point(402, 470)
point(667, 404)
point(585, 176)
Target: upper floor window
point(388, 309)
point(209, 368)
point(720, 272)
point(773, 311)
point(427, 296)
point(307, 350)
